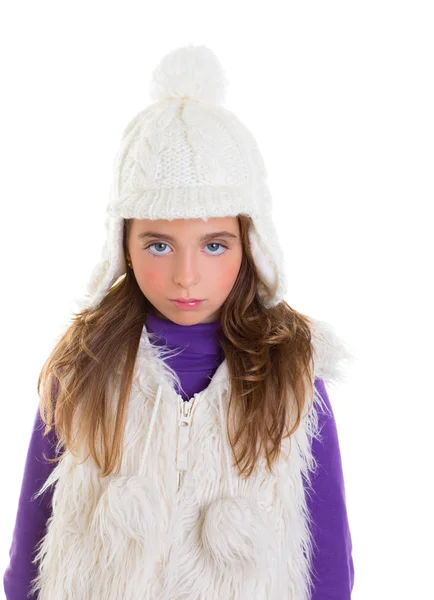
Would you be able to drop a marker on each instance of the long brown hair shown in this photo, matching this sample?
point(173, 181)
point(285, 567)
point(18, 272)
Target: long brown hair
point(269, 360)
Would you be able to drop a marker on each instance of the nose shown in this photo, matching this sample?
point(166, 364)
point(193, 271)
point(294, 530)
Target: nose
point(186, 269)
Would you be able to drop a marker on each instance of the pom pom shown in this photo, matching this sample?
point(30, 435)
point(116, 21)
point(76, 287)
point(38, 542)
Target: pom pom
point(129, 509)
point(237, 535)
point(190, 72)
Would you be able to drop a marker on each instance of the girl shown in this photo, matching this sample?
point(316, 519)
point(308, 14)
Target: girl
point(191, 447)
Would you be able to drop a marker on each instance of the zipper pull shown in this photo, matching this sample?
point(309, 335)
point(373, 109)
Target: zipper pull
point(186, 410)
point(184, 436)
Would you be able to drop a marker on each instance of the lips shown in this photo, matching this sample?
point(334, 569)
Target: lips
point(187, 305)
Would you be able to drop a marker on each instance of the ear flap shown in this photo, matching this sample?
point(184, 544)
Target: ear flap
point(110, 267)
point(269, 260)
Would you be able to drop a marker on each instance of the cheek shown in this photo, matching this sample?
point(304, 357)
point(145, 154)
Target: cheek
point(151, 276)
point(226, 278)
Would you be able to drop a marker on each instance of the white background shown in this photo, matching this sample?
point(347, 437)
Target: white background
point(339, 96)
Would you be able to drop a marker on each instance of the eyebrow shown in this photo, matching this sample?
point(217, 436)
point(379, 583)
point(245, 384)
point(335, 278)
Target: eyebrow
point(203, 238)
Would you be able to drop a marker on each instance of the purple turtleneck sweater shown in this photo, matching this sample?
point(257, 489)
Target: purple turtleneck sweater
point(332, 560)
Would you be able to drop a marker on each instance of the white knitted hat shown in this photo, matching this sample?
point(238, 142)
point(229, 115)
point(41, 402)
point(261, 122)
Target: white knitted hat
point(186, 156)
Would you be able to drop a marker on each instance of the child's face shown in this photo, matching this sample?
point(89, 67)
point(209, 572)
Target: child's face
point(186, 266)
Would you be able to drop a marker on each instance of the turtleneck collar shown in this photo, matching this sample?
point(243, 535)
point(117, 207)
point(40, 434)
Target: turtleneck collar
point(198, 352)
point(201, 338)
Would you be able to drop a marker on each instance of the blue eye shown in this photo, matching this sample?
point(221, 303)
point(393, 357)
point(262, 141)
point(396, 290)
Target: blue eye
point(155, 244)
point(217, 244)
point(164, 244)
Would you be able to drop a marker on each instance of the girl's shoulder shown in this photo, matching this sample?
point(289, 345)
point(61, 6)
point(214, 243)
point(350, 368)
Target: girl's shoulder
point(331, 352)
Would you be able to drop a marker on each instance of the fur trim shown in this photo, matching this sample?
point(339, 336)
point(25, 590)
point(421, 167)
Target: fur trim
point(330, 351)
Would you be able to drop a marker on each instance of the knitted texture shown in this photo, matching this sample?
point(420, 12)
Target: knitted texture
point(186, 156)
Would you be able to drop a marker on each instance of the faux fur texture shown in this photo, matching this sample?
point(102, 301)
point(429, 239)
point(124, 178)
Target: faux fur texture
point(137, 536)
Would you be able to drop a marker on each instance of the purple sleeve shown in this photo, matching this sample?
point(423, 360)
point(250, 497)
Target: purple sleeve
point(333, 569)
point(32, 515)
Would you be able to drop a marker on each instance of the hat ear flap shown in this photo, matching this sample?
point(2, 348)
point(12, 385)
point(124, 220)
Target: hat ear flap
point(271, 292)
point(110, 267)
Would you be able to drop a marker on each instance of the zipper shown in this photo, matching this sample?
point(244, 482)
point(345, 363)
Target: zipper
point(184, 427)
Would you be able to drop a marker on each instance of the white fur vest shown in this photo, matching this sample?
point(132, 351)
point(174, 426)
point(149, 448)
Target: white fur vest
point(177, 523)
